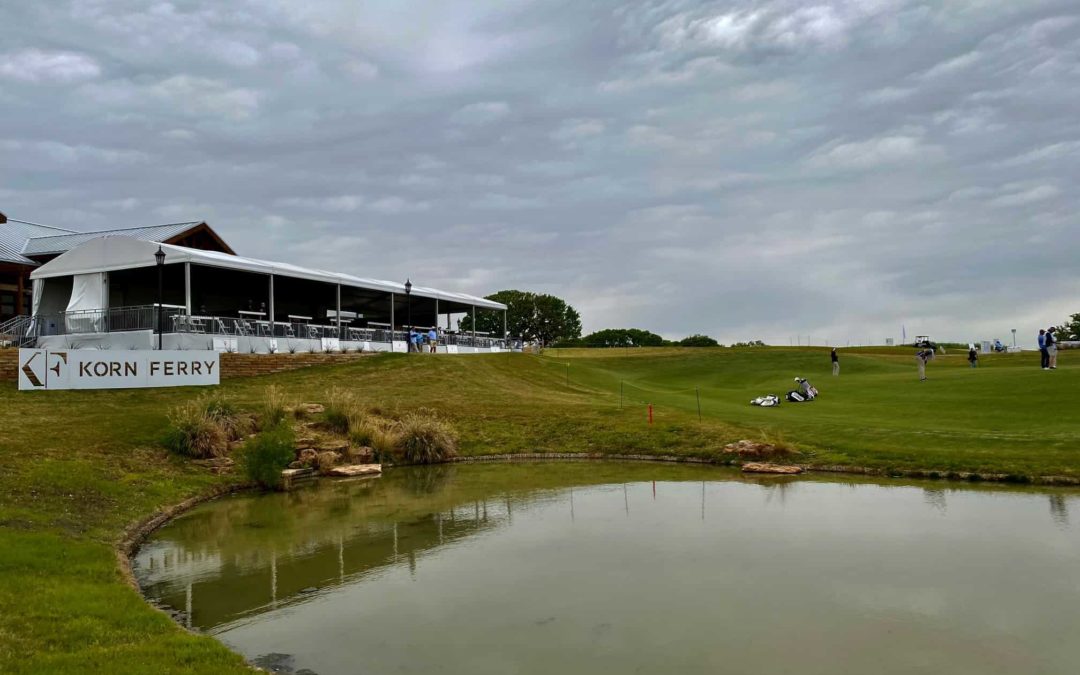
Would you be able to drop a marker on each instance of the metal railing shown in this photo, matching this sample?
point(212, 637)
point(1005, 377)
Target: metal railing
point(176, 320)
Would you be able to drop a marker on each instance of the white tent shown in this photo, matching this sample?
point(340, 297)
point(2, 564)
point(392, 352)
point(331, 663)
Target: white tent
point(112, 253)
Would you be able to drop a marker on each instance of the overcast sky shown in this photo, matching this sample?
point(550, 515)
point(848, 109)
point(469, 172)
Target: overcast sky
point(742, 169)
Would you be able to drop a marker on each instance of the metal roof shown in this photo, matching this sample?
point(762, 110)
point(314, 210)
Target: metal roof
point(14, 235)
point(110, 253)
point(58, 243)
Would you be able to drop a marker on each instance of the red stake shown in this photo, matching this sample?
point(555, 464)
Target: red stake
point(650, 413)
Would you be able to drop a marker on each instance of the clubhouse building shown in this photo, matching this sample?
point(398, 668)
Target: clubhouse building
point(118, 289)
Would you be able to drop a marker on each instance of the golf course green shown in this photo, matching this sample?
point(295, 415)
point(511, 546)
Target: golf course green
point(77, 468)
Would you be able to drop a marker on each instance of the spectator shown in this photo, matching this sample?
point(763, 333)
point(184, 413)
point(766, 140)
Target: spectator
point(433, 340)
point(1044, 356)
point(835, 363)
point(973, 356)
point(1051, 348)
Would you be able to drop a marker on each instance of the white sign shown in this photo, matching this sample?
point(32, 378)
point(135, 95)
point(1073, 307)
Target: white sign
point(41, 369)
point(331, 344)
point(226, 345)
point(495, 350)
point(451, 349)
point(399, 346)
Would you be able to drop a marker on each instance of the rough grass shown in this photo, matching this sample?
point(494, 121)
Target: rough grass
point(77, 467)
point(424, 438)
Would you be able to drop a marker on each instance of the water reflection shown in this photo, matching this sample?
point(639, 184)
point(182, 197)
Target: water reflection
point(486, 547)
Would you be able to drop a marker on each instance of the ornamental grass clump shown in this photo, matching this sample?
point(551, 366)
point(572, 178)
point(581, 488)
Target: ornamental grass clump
point(266, 455)
point(194, 433)
point(423, 438)
point(378, 434)
point(275, 407)
point(343, 411)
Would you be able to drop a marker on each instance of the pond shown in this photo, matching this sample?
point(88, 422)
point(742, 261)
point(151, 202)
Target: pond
point(582, 567)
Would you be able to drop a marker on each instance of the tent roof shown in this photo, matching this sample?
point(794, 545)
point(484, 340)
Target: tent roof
point(110, 253)
point(58, 243)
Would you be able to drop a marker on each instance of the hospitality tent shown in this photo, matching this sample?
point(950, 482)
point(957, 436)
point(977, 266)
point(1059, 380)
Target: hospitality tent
point(113, 272)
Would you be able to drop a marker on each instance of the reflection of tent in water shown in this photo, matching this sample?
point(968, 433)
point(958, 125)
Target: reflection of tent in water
point(245, 578)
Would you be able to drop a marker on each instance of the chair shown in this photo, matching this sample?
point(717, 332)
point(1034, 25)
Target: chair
point(221, 327)
point(313, 331)
point(243, 327)
point(264, 329)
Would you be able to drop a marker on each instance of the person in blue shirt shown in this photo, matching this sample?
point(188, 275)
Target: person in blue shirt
point(1044, 354)
point(433, 340)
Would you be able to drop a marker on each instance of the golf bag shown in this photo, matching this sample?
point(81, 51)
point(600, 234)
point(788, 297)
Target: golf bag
point(768, 401)
point(808, 391)
point(798, 397)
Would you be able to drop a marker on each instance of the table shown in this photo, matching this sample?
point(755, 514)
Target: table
point(247, 312)
point(296, 318)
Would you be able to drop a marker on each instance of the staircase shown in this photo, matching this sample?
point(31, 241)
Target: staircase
point(13, 332)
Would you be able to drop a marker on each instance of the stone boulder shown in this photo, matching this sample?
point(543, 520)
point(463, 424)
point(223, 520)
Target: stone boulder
point(765, 467)
point(308, 457)
point(310, 409)
point(351, 470)
point(361, 455)
point(341, 447)
point(747, 449)
point(326, 461)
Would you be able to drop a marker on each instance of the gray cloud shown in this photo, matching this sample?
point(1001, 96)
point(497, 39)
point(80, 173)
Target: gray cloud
point(747, 169)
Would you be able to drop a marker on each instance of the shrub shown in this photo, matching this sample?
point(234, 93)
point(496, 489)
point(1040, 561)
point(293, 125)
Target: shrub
point(193, 432)
point(379, 435)
point(425, 439)
point(265, 456)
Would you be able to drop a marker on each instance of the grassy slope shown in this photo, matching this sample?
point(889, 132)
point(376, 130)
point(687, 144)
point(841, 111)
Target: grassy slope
point(76, 467)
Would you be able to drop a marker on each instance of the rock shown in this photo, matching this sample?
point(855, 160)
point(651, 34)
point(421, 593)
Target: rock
point(764, 467)
point(338, 446)
point(307, 456)
point(309, 589)
point(355, 470)
point(215, 462)
point(755, 449)
point(327, 460)
point(306, 442)
point(361, 455)
point(310, 408)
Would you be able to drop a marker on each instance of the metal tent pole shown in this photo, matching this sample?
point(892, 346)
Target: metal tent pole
point(273, 328)
point(392, 326)
point(505, 335)
point(187, 288)
point(474, 326)
point(339, 311)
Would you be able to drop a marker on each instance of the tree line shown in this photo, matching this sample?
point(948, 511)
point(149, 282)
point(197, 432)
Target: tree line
point(551, 321)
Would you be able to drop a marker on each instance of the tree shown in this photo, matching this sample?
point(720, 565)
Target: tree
point(622, 337)
point(1070, 330)
point(698, 341)
point(530, 316)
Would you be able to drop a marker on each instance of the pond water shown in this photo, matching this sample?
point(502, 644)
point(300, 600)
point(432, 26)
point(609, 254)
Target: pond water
point(579, 567)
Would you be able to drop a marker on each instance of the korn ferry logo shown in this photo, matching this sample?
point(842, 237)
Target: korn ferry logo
point(32, 366)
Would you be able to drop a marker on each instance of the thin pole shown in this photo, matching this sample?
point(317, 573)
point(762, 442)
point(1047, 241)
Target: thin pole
point(160, 309)
point(392, 326)
point(697, 392)
point(187, 288)
point(339, 311)
point(504, 326)
point(273, 328)
point(474, 326)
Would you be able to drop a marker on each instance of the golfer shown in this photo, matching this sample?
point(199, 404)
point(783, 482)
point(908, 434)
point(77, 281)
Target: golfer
point(921, 357)
point(835, 363)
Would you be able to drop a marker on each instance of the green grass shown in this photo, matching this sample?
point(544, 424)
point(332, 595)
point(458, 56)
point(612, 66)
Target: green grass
point(77, 467)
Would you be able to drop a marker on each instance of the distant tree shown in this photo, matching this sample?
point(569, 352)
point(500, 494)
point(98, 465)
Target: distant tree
point(752, 343)
point(531, 316)
point(622, 337)
point(698, 341)
point(1070, 330)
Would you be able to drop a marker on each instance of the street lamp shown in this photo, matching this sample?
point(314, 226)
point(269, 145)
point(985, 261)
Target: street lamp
point(160, 256)
point(408, 310)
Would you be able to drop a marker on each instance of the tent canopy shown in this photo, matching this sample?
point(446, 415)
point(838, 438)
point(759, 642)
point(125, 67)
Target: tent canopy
point(111, 253)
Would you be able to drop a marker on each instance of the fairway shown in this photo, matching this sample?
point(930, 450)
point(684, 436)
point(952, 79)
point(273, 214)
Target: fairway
point(1006, 413)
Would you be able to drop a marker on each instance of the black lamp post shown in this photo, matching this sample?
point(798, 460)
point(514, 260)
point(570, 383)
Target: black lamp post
point(408, 309)
point(160, 256)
